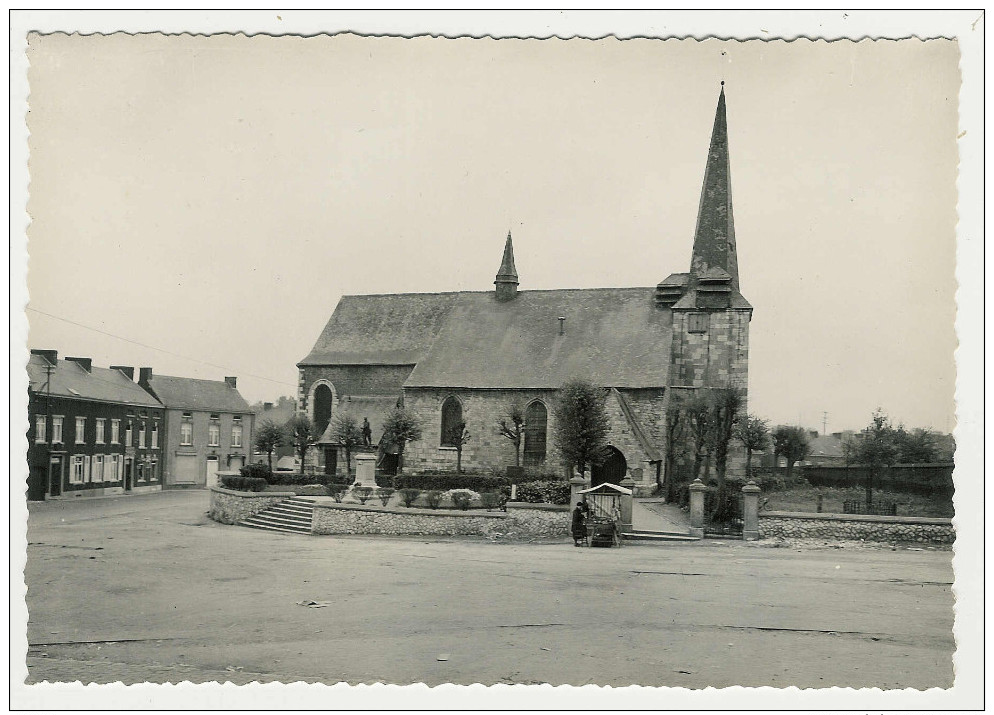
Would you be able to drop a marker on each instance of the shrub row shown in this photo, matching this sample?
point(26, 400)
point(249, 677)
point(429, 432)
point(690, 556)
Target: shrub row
point(544, 492)
point(445, 482)
point(243, 484)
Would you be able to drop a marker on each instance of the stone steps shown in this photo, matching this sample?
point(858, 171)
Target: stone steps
point(289, 516)
point(645, 535)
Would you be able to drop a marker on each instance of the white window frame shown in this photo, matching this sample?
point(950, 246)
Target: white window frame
point(115, 431)
point(115, 468)
point(101, 428)
point(41, 429)
point(77, 470)
point(155, 435)
point(214, 434)
point(98, 468)
point(236, 434)
point(80, 436)
point(153, 468)
point(58, 422)
point(186, 431)
point(127, 434)
point(141, 434)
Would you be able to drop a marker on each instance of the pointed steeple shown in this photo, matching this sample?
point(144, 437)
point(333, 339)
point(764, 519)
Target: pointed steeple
point(714, 239)
point(507, 275)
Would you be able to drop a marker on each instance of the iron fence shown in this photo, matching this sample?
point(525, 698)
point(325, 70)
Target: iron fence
point(882, 508)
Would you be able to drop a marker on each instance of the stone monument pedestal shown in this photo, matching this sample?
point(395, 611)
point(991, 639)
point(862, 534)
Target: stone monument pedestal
point(365, 470)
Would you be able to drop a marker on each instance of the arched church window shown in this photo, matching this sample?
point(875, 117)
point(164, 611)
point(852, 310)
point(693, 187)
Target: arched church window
point(451, 416)
point(323, 399)
point(536, 422)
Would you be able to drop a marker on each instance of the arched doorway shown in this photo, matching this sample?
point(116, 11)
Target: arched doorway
point(323, 398)
point(612, 470)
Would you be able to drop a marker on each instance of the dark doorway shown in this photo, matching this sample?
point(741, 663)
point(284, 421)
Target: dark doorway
point(127, 474)
point(330, 460)
point(612, 470)
point(55, 477)
point(323, 398)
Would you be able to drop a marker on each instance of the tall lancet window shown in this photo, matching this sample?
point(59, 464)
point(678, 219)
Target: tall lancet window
point(451, 417)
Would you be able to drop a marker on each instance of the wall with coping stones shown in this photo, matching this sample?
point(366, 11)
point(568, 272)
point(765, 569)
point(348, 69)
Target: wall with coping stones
point(855, 527)
point(524, 520)
point(228, 506)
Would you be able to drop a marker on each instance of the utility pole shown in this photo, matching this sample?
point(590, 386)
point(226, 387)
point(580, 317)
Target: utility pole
point(49, 369)
point(824, 423)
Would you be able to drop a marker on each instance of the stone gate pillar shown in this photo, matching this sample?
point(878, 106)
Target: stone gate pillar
point(575, 485)
point(750, 511)
point(697, 490)
point(625, 522)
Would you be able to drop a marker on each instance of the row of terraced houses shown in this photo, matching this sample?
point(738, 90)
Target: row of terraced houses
point(95, 430)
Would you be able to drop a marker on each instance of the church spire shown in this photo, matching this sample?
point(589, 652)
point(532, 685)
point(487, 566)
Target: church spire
point(507, 275)
point(714, 239)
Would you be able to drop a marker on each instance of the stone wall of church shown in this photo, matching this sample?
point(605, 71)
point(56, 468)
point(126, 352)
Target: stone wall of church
point(353, 380)
point(481, 409)
point(717, 357)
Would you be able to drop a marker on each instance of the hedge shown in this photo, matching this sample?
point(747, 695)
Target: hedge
point(256, 471)
point(445, 482)
point(243, 484)
point(293, 478)
point(544, 492)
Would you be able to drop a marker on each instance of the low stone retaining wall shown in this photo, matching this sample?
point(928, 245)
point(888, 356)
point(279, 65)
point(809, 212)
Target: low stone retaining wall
point(799, 525)
point(230, 507)
point(542, 520)
point(368, 519)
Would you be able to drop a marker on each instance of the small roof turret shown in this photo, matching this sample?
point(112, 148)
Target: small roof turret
point(507, 275)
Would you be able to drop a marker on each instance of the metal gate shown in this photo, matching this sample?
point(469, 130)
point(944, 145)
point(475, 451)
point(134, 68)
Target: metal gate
point(723, 517)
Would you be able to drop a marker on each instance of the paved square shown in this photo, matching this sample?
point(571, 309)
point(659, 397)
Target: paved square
point(146, 588)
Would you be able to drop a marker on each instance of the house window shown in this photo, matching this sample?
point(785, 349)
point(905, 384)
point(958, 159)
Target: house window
point(141, 471)
point(40, 423)
point(127, 434)
point(236, 432)
point(155, 435)
point(80, 430)
point(98, 468)
point(214, 432)
point(697, 322)
point(536, 421)
point(451, 418)
point(100, 430)
point(141, 434)
point(57, 429)
point(153, 471)
point(114, 468)
point(186, 429)
point(76, 473)
point(115, 431)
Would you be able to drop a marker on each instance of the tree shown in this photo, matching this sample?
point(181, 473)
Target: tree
point(877, 449)
point(400, 427)
point(582, 424)
point(919, 446)
point(754, 433)
point(726, 403)
point(511, 425)
point(700, 417)
point(458, 436)
point(792, 444)
point(268, 437)
point(345, 430)
point(675, 427)
point(302, 434)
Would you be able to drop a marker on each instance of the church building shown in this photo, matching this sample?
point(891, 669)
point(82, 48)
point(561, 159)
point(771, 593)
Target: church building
point(465, 356)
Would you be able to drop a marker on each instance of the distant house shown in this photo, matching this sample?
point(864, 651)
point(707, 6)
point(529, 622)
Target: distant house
point(91, 431)
point(209, 427)
point(826, 450)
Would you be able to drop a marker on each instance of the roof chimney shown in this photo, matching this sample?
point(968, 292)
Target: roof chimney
point(507, 275)
point(128, 370)
point(144, 375)
point(85, 363)
point(267, 406)
point(52, 356)
point(232, 381)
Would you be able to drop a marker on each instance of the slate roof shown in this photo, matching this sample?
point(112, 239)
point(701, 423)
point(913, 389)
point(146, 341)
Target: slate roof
point(191, 394)
point(381, 329)
point(101, 384)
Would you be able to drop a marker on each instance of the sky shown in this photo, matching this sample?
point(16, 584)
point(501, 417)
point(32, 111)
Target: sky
point(201, 203)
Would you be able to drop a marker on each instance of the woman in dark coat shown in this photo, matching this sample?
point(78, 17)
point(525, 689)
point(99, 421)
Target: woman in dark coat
point(579, 525)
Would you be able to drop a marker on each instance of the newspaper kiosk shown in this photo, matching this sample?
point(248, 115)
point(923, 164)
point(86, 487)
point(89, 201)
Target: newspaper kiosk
point(604, 502)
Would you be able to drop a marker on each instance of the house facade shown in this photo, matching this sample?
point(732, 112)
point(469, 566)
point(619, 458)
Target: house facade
point(92, 430)
point(208, 428)
point(464, 357)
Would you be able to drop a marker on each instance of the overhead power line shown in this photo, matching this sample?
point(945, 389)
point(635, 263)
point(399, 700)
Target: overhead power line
point(161, 350)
